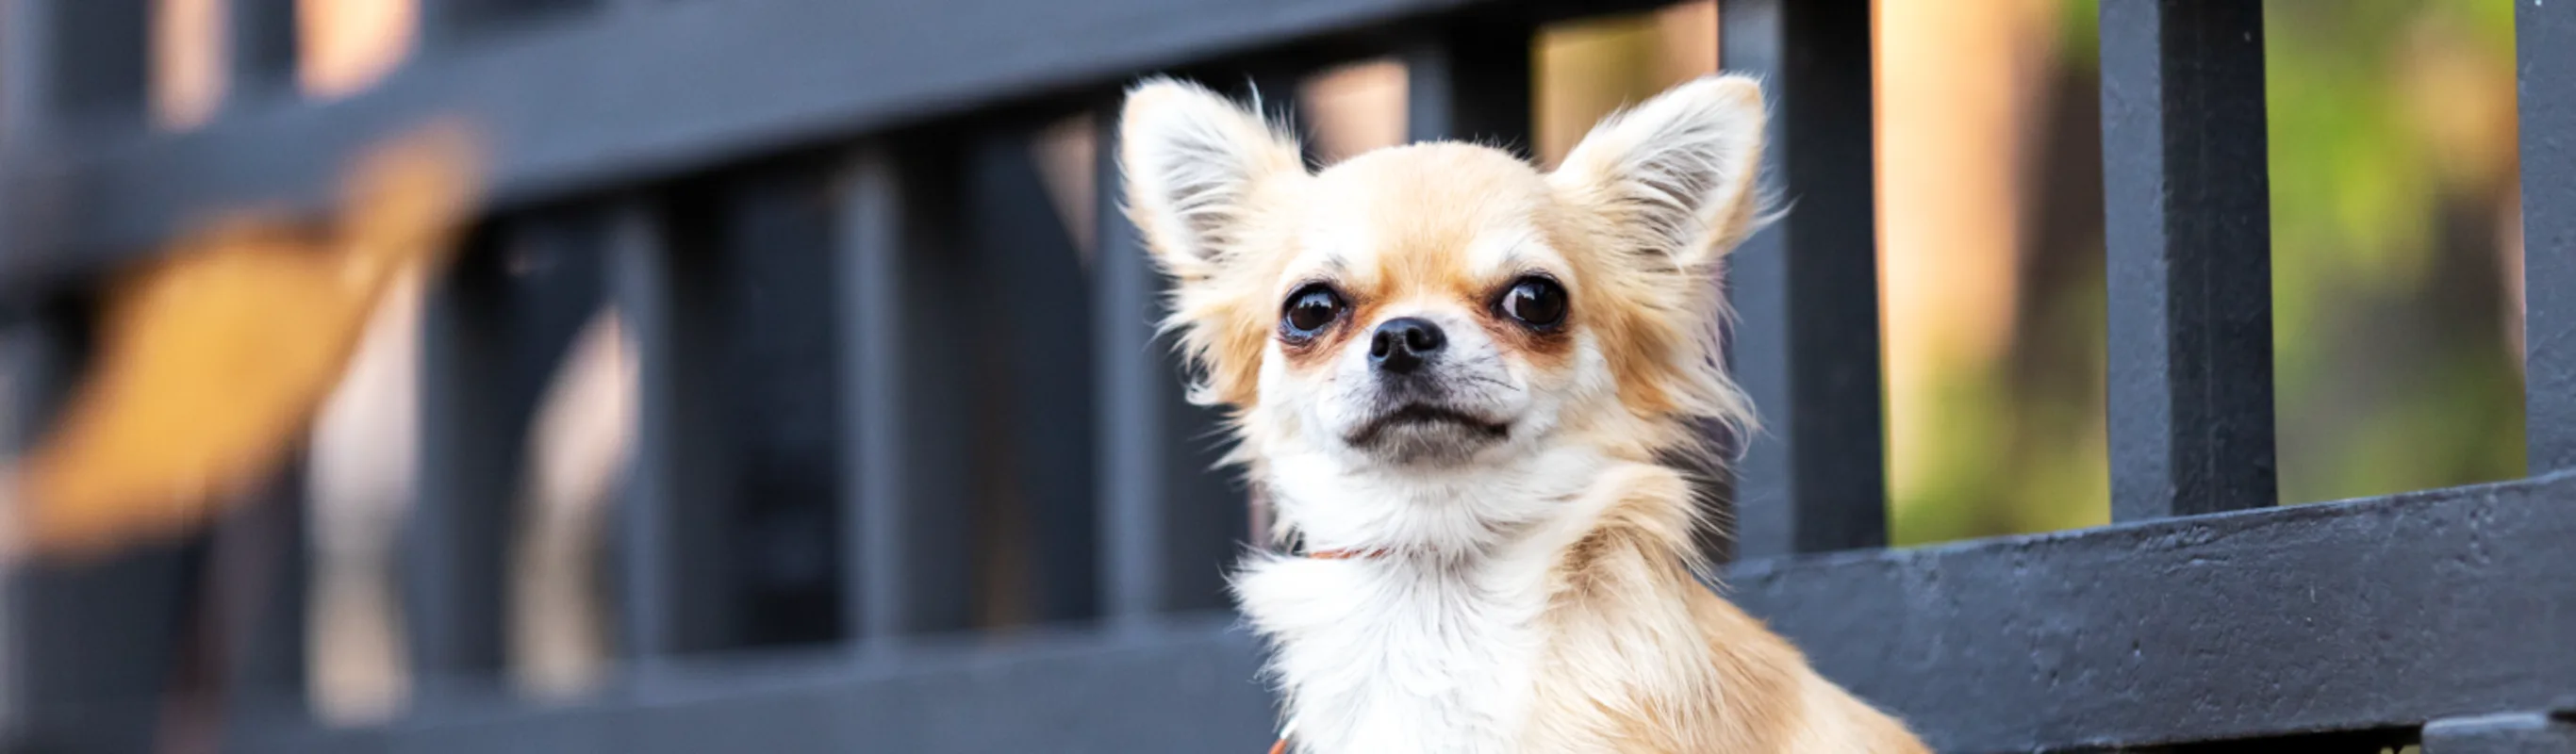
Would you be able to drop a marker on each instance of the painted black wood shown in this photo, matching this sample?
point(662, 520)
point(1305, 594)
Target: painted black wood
point(259, 566)
point(2188, 226)
point(766, 259)
point(26, 105)
point(904, 293)
point(2510, 733)
point(1805, 289)
point(1471, 82)
point(495, 331)
point(2354, 615)
point(669, 528)
point(587, 101)
point(26, 70)
point(1034, 337)
point(2233, 626)
point(262, 52)
point(95, 640)
point(452, 540)
point(969, 360)
point(1170, 519)
point(1182, 686)
point(2545, 43)
point(101, 642)
point(464, 23)
point(100, 59)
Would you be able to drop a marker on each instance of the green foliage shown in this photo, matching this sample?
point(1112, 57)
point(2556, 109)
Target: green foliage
point(2394, 364)
point(2393, 371)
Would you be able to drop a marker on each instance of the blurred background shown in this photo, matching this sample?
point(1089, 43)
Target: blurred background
point(2395, 239)
point(2395, 243)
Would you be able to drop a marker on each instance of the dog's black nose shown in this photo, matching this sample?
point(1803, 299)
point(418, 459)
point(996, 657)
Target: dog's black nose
point(1402, 344)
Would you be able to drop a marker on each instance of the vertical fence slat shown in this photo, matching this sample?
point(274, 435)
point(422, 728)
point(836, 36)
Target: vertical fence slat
point(769, 247)
point(26, 102)
point(26, 391)
point(665, 586)
point(260, 577)
point(495, 331)
point(868, 205)
point(99, 58)
point(453, 537)
point(1805, 343)
point(1044, 399)
point(1169, 521)
point(26, 69)
point(2545, 52)
point(1471, 83)
point(88, 640)
point(262, 50)
point(1136, 391)
point(445, 23)
point(2188, 229)
point(437, 23)
point(905, 399)
point(101, 641)
point(27, 388)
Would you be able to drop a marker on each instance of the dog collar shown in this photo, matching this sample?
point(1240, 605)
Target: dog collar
point(1348, 554)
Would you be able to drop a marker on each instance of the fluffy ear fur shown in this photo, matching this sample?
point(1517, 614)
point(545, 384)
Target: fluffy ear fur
point(1193, 161)
point(1671, 186)
point(1678, 174)
point(1200, 172)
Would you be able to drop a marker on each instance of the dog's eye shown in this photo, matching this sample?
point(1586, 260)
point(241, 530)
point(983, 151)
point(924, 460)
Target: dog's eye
point(1310, 310)
point(1535, 301)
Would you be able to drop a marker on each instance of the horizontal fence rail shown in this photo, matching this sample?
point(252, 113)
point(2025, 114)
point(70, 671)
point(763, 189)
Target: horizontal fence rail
point(803, 210)
point(2347, 616)
point(654, 92)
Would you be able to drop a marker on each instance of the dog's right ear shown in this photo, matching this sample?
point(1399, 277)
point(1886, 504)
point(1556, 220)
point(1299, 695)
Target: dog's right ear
point(1193, 161)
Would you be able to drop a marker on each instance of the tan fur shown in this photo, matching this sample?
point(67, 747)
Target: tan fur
point(1575, 540)
point(1640, 657)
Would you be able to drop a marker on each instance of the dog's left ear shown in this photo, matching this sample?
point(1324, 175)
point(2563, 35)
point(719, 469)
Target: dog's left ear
point(1193, 163)
point(1678, 174)
point(1203, 177)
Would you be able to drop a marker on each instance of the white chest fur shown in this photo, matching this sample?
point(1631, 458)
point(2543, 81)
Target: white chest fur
point(1397, 654)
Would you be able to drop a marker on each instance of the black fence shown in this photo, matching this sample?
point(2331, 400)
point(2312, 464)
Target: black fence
point(857, 315)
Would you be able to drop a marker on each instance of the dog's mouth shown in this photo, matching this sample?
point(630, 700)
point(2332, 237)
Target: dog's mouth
point(1416, 420)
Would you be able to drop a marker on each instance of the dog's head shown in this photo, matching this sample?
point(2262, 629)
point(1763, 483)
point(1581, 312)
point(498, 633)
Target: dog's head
point(1445, 308)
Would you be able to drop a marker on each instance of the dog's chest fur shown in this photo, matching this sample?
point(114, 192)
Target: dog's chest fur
point(1402, 653)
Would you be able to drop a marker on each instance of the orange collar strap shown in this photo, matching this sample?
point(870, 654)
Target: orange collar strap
point(1370, 554)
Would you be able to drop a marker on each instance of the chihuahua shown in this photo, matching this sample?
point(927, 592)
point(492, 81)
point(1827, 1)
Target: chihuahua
point(1464, 385)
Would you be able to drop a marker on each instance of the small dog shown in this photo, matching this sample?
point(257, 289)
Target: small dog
point(1462, 383)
